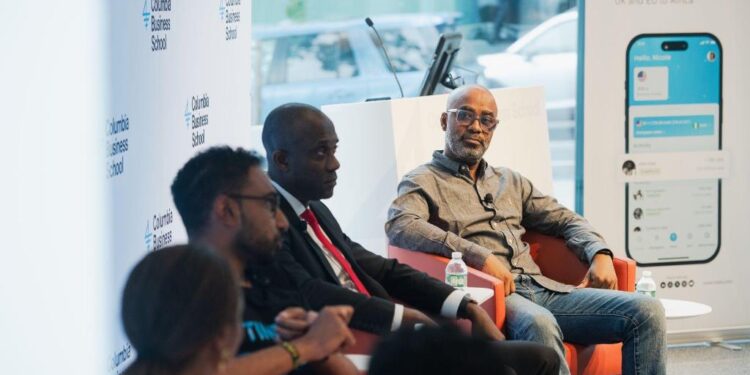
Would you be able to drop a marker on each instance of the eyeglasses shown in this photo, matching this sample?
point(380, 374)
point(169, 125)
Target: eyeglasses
point(272, 200)
point(466, 118)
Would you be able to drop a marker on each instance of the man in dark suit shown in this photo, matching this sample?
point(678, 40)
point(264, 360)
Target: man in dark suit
point(300, 143)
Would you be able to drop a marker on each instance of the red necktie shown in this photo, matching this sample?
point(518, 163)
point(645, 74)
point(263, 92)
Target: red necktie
point(310, 218)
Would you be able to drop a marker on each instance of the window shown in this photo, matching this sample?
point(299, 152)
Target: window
point(321, 52)
point(310, 57)
point(410, 49)
point(561, 38)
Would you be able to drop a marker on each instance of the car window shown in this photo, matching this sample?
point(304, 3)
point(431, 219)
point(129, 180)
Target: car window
point(410, 49)
point(561, 38)
point(312, 57)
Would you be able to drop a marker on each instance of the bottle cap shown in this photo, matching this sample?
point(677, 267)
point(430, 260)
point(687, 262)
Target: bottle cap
point(456, 255)
point(646, 274)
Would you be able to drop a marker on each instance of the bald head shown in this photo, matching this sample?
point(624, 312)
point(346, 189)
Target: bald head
point(459, 95)
point(282, 128)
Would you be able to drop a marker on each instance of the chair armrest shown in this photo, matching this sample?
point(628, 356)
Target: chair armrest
point(625, 270)
point(550, 252)
point(434, 265)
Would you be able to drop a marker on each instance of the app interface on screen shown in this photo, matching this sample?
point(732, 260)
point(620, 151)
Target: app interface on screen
point(673, 106)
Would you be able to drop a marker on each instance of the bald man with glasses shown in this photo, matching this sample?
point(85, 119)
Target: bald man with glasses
point(458, 202)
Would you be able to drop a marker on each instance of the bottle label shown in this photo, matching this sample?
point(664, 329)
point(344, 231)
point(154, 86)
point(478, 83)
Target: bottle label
point(650, 293)
point(456, 280)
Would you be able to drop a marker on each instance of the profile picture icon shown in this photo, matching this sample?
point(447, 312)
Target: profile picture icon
point(628, 167)
point(637, 213)
point(637, 229)
point(641, 75)
point(711, 56)
point(638, 195)
point(638, 123)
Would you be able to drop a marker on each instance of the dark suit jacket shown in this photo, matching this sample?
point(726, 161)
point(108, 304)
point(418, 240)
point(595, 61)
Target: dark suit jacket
point(384, 278)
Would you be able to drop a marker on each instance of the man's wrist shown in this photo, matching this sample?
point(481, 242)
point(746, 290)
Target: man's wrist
point(308, 349)
point(605, 252)
point(293, 352)
point(466, 308)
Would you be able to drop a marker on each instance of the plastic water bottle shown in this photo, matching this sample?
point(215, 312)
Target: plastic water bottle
point(646, 285)
point(456, 272)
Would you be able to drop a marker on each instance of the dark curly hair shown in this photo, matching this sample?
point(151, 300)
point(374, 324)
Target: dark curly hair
point(214, 171)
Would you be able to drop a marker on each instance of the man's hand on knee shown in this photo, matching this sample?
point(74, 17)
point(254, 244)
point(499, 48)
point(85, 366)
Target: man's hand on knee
point(601, 274)
point(494, 267)
point(482, 326)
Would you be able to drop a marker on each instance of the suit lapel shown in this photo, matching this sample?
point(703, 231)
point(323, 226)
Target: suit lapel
point(298, 228)
point(327, 222)
point(330, 230)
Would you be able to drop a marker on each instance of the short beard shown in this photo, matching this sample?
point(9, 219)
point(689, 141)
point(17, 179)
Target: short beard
point(251, 253)
point(253, 249)
point(464, 154)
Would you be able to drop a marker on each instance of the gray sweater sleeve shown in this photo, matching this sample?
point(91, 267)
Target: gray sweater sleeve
point(544, 214)
point(410, 226)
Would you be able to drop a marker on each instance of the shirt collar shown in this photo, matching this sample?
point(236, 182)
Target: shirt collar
point(297, 206)
point(439, 159)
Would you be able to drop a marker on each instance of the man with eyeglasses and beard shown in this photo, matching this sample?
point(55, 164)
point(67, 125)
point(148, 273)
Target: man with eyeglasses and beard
point(458, 202)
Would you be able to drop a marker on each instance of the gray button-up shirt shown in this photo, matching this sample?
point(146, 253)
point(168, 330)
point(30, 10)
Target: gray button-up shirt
point(440, 209)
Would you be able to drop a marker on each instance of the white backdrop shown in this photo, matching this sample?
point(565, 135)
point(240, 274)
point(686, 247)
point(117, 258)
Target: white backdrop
point(53, 287)
point(609, 27)
point(180, 82)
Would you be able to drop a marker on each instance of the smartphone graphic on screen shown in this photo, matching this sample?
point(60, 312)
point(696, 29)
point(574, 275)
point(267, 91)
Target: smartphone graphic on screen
point(673, 104)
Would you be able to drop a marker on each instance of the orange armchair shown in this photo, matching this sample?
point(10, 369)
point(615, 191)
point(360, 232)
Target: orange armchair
point(549, 253)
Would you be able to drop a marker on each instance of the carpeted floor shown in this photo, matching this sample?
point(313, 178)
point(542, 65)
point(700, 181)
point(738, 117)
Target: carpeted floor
point(708, 360)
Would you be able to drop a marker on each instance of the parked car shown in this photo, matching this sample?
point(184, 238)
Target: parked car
point(341, 62)
point(545, 56)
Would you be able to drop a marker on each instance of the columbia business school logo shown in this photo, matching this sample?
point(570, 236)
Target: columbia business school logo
point(229, 14)
point(117, 146)
point(158, 233)
point(157, 20)
point(196, 117)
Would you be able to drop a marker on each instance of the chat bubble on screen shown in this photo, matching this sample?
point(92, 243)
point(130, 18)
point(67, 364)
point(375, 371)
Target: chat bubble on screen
point(651, 83)
point(664, 166)
point(673, 126)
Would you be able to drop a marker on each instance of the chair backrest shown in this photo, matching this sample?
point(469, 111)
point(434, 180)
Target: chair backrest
point(365, 342)
point(550, 253)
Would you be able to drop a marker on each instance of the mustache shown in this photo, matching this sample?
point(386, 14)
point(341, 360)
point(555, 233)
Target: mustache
point(477, 139)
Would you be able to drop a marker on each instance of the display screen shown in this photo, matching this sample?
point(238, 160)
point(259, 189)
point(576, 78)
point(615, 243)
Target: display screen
point(673, 105)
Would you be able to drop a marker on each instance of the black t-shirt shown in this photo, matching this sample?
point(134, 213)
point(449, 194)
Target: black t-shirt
point(271, 292)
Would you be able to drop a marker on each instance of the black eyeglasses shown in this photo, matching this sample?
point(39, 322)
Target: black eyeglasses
point(272, 200)
point(466, 117)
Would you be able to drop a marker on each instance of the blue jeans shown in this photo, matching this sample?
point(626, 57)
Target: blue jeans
point(590, 316)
